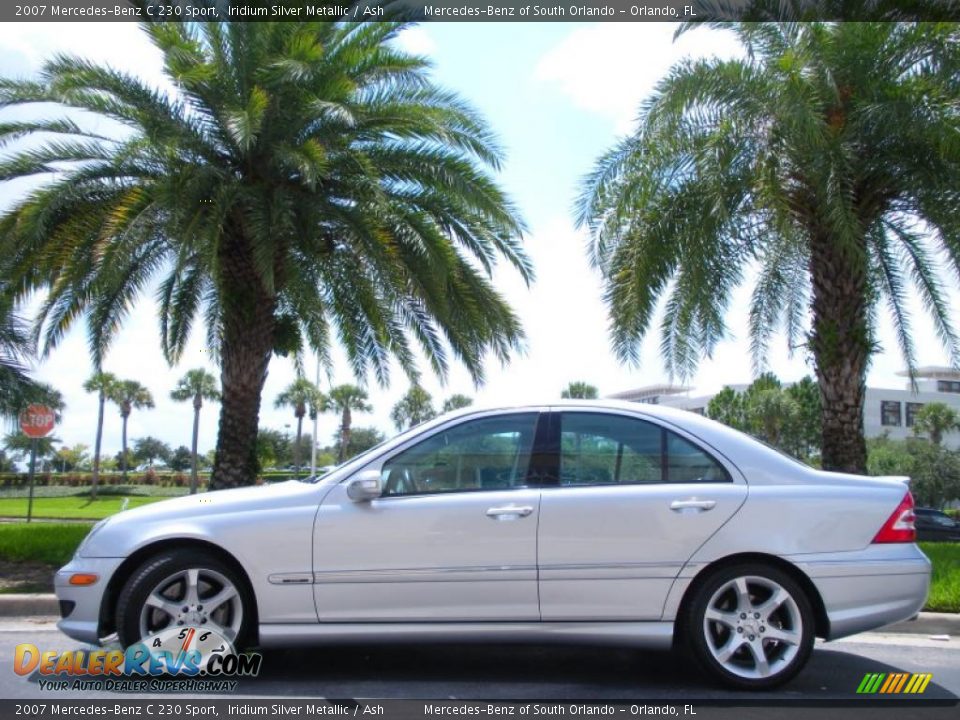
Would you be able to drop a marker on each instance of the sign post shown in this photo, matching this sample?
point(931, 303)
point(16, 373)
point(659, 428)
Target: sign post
point(37, 422)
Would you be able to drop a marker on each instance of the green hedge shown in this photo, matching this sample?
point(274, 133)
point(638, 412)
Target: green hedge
point(150, 477)
point(71, 479)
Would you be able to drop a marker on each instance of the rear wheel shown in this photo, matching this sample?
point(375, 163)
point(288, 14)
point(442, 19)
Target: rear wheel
point(188, 588)
point(751, 626)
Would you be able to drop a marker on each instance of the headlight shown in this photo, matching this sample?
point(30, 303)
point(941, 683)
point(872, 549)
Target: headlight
point(86, 540)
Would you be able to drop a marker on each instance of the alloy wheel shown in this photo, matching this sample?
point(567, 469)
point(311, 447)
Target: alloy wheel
point(195, 597)
point(753, 627)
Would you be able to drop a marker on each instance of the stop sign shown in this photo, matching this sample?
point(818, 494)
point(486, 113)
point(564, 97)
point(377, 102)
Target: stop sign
point(37, 421)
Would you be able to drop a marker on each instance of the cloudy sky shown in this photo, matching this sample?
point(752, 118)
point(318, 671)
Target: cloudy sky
point(557, 94)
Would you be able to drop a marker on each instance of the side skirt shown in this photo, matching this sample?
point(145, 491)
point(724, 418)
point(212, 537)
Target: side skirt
point(651, 635)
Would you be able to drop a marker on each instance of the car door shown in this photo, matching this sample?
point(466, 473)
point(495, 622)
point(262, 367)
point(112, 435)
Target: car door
point(451, 538)
point(631, 503)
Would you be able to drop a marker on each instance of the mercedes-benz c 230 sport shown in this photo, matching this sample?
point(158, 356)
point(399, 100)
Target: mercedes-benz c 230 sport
point(592, 522)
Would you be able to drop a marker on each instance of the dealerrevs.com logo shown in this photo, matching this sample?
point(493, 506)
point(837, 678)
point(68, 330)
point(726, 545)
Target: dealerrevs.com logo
point(179, 659)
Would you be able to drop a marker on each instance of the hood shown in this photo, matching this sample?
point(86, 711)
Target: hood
point(122, 531)
point(262, 497)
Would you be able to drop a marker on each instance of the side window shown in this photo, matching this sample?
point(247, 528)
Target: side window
point(598, 449)
point(687, 463)
point(486, 454)
point(608, 449)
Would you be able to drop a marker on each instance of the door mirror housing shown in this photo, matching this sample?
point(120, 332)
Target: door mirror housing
point(365, 486)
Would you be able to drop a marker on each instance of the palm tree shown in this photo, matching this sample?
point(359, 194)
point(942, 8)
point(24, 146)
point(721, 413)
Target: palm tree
point(414, 408)
point(300, 394)
point(20, 446)
point(303, 176)
point(346, 399)
point(456, 402)
point(102, 383)
point(128, 395)
point(816, 160)
point(935, 419)
point(197, 385)
point(17, 389)
point(580, 391)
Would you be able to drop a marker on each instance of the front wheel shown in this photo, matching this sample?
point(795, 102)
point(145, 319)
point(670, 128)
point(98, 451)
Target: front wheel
point(184, 587)
point(751, 626)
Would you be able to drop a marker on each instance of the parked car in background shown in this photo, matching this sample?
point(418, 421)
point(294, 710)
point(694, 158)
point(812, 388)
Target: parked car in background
point(935, 526)
point(578, 521)
point(157, 466)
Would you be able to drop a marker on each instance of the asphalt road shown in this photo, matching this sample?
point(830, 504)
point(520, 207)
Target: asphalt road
point(537, 673)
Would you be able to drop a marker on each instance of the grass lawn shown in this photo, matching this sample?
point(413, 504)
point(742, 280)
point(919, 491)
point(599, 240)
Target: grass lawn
point(70, 508)
point(945, 587)
point(48, 543)
point(30, 554)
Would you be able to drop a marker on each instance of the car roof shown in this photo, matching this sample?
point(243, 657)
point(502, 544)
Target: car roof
point(599, 404)
point(684, 418)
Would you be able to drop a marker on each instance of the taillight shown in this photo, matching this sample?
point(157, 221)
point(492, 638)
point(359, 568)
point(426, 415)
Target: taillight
point(899, 527)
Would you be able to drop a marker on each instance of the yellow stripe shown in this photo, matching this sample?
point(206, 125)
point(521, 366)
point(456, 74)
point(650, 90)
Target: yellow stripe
point(913, 681)
point(926, 681)
point(903, 680)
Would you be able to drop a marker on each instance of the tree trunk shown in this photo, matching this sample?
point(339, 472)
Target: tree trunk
point(197, 404)
point(123, 450)
point(96, 447)
point(246, 346)
point(345, 421)
point(840, 342)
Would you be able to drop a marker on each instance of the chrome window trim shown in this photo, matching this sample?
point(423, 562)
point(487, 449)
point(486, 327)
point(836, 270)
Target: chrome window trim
point(736, 475)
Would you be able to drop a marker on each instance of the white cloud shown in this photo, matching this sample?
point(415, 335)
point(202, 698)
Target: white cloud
point(609, 68)
point(121, 45)
point(417, 40)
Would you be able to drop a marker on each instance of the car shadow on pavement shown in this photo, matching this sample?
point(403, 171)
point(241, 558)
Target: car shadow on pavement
point(552, 673)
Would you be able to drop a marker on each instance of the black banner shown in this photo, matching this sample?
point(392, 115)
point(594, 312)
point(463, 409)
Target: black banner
point(479, 10)
point(192, 707)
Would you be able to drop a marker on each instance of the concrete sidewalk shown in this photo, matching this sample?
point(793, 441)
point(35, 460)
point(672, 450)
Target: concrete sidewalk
point(42, 604)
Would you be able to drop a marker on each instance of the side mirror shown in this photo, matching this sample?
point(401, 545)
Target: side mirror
point(365, 486)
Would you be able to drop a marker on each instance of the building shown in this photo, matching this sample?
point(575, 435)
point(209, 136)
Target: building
point(886, 411)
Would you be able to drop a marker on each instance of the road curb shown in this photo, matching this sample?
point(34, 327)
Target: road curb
point(38, 604)
point(29, 604)
point(928, 623)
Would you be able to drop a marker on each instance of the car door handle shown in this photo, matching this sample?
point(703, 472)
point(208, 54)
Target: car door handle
point(699, 505)
point(509, 510)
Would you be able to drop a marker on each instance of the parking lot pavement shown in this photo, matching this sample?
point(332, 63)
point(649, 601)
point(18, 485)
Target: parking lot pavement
point(537, 673)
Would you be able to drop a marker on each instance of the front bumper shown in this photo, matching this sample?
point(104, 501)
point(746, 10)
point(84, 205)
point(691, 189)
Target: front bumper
point(80, 605)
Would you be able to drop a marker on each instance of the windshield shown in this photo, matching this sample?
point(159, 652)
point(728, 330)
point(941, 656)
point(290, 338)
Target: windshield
point(363, 457)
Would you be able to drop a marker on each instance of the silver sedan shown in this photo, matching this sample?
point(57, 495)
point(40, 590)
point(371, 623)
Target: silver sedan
point(592, 522)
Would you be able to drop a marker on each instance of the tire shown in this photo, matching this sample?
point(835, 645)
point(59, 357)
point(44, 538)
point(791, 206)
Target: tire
point(750, 626)
point(185, 587)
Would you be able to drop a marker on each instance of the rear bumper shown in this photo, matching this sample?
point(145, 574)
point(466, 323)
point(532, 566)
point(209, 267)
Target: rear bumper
point(868, 589)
